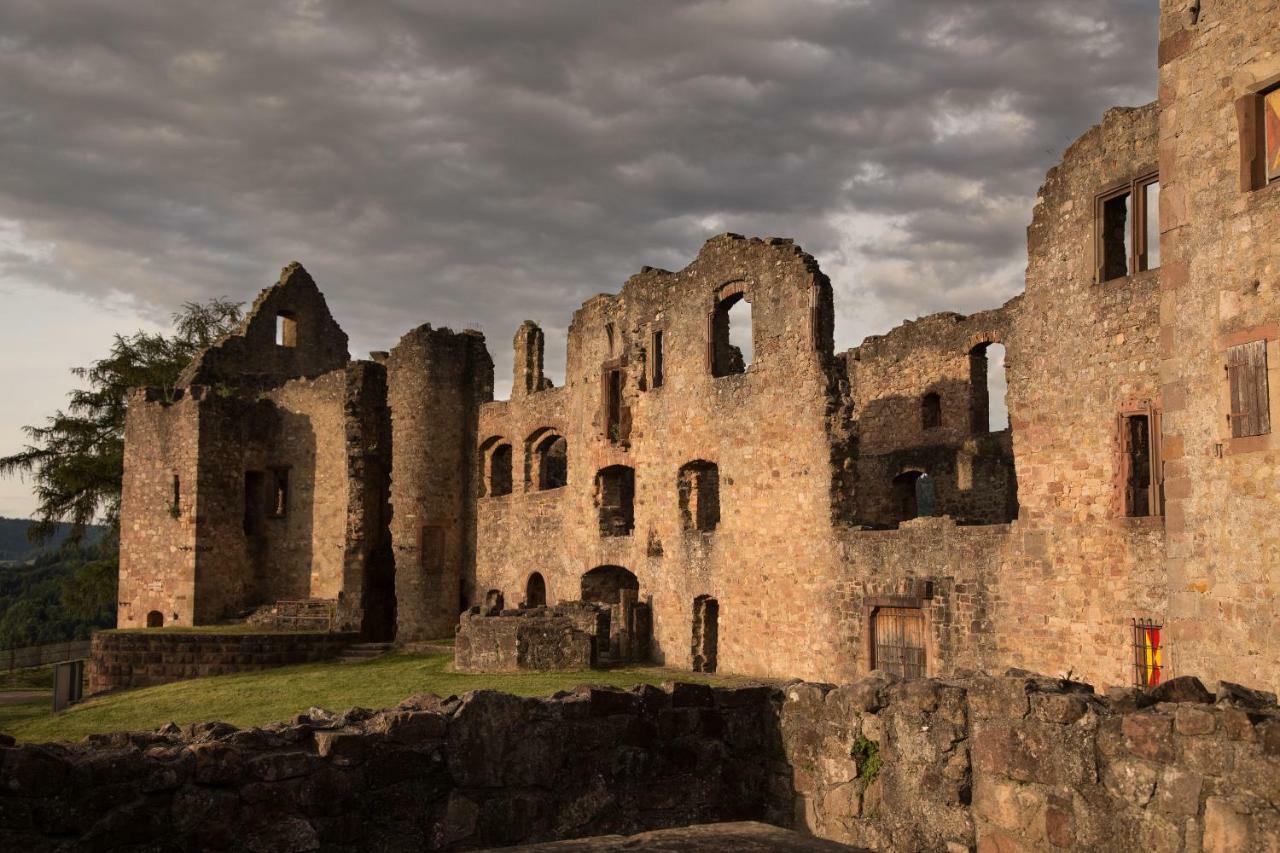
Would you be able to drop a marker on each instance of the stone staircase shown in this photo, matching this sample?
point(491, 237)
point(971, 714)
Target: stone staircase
point(361, 652)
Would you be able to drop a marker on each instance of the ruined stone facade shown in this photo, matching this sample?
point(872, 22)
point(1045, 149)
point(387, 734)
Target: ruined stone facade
point(784, 509)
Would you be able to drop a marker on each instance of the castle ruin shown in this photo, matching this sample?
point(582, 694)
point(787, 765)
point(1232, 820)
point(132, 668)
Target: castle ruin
point(786, 509)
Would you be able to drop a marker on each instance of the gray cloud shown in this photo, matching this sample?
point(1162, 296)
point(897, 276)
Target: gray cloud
point(467, 162)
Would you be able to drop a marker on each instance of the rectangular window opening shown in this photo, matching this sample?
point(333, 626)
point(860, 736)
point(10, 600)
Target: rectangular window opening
point(1250, 396)
point(1138, 480)
point(1149, 250)
point(286, 330)
point(1127, 236)
point(657, 359)
point(1114, 241)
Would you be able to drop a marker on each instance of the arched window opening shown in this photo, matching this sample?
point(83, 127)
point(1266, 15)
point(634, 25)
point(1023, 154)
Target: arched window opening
point(535, 591)
point(988, 382)
point(286, 329)
point(615, 499)
point(495, 468)
point(155, 619)
point(706, 633)
point(547, 465)
point(698, 486)
point(604, 584)
point(931, 411)
point(732, 346)
point(493, 599)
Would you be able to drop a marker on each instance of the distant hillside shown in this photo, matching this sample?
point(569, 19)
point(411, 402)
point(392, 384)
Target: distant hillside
point(15, 547)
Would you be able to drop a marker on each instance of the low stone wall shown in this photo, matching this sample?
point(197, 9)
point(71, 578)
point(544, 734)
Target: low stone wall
point(142, 658)
point(1013, 763)
point(488, 769)
point(567, 636)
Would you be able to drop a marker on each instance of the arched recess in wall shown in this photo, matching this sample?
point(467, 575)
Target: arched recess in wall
point(615, 500)
point(698, 491)
point(988, 408)
point(546, 460)
point(535, 591)
point(604, 584)
point(731, 344)
point(494, 467)
point(155, 619)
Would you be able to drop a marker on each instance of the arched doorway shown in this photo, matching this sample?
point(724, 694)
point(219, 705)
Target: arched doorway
point(535, 591)
point(604, 584)
point(155, 619)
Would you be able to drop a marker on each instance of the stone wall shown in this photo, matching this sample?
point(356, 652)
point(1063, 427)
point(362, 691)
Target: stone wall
point(1220, 287)
point(1013, 763)
point(436, 381)
point(119, 659)
point(538, 639)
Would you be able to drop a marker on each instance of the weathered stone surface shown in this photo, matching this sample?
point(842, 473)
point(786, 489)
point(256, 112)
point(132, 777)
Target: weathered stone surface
point(1184, 688)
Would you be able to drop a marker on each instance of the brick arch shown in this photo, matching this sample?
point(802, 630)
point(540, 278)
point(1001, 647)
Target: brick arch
point(737, 287)
point(989, 336)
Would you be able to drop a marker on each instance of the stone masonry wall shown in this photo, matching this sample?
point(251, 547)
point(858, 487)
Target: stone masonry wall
point(1075, 572)
point(1220, 287)
point(1014, 763)
point(143, 658)
point(436, 381)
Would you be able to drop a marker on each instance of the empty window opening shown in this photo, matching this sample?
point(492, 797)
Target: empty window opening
point(615, 426)
point(175, 508)
point(499, 479)
point(286, 329)
point(548, 466)
point(898, 643)
point(731, 341)
point(604, 584)
point(656, 367)
point(535, 591)
point(155, 619)
point(1115, 240)
point(1250, 395)
point(1148, 656)
point(931, 411)
point(988, 388)
point(913, 495)
point(279, 492)
point(706, 633)
point(615, 499)
point(1139, 465)
point(698, 487)
point(432, 552)
point(255, 501)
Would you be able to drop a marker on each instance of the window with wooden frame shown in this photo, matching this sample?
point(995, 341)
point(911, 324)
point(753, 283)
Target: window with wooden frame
point(1127, 229)
point(1148, 654)
point(1258, 118)
point(1140, 480)
point(1250, 399)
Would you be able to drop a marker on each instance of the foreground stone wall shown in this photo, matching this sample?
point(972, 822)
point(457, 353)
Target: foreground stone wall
point(1011, 763)
point(144, 658)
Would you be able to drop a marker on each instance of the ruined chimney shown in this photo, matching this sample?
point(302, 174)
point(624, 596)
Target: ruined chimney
point(527, 378)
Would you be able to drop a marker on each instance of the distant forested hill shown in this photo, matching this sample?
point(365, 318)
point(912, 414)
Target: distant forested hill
point(52, 593)
point(15, 546)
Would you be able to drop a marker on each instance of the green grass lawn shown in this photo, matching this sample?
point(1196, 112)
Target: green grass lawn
point(256, 698)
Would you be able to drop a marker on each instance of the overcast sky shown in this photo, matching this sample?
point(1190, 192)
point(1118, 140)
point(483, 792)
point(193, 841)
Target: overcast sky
point(479, 162)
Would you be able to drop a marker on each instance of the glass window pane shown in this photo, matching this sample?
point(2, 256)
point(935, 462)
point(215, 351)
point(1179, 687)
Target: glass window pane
point(1151, 205)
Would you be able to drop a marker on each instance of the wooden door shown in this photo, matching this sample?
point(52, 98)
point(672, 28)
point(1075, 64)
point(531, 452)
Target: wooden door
point(899, 641)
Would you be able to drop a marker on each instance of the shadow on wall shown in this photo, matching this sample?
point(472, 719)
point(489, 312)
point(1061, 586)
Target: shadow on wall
point(279, 515)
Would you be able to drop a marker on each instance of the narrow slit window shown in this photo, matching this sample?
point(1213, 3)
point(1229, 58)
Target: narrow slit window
point(657, 360)
point(931, 411)
point(1149, 255)
point(280, 492)
point(1271, 133)
point(175, 509)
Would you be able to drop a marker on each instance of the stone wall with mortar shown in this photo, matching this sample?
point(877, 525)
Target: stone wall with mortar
point(1013, 763)
point(120, 659)
point(1075, 571)
point(1220, 287)
point(436, 382)
point(768, 560)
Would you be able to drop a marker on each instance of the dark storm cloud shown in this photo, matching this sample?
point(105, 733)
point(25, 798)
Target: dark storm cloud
point(483, 162)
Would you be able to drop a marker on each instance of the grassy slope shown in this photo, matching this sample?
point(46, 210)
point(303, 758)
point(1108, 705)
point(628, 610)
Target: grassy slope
point(256, 698)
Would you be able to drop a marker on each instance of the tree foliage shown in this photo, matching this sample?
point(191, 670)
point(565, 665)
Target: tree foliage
point(76, 459)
